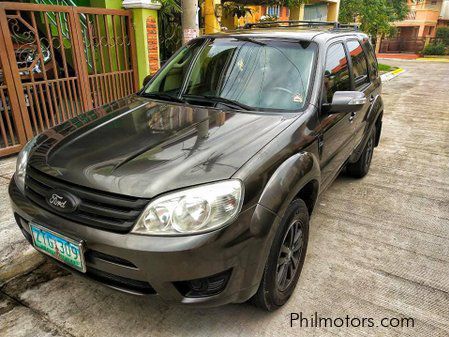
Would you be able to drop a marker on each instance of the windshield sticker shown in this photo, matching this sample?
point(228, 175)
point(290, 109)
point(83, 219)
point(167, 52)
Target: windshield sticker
point(298, 98)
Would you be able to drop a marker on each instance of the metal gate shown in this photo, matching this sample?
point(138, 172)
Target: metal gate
point(57, 62)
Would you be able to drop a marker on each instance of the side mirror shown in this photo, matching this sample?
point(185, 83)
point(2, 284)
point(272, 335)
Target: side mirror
point(347, 101)
point(147, 79)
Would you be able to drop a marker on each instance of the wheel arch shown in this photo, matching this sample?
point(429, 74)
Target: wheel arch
point(309, 194)
point(374, 120)
point(296, 177)
point(378, 124)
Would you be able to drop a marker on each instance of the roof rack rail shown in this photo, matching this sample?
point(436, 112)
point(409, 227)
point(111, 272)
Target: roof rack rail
point(301, 23)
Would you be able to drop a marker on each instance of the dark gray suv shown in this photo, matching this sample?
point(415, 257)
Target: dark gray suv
point(199, 188)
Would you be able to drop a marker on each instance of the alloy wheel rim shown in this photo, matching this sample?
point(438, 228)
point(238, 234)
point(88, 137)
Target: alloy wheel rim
point(289, 256)
point(369, 153)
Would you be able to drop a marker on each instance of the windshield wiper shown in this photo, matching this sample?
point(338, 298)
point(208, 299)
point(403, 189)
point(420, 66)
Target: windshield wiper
point(218, 99)
point(162, 95)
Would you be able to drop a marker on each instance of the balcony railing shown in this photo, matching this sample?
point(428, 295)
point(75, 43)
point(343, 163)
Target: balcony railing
point(411, 15)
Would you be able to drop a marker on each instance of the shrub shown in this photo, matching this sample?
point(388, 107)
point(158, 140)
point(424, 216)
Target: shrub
point(443, 35)
point(435, 49)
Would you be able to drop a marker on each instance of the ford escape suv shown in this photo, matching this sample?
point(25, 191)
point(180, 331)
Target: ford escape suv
point(199, 188)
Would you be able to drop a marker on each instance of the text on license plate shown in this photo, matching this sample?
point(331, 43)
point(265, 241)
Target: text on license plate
point(58, 246)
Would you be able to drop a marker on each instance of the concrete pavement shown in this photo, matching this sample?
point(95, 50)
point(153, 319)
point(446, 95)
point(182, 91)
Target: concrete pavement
point(379, 247)
point(16, 255)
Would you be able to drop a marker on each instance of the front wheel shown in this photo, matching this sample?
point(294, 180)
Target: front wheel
point(286, 258)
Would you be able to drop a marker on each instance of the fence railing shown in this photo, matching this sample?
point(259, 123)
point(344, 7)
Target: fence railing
point(57, 62)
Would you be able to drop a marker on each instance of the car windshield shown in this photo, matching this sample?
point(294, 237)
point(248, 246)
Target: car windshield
point(241, 73)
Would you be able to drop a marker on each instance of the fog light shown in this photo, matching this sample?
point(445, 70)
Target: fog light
point(203, 287)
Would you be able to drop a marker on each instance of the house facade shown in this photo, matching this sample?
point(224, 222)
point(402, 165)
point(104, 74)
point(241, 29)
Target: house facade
point(424, 17)
point(314, 10)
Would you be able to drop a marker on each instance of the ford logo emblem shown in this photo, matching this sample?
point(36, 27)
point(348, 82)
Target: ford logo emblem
point(62, 201)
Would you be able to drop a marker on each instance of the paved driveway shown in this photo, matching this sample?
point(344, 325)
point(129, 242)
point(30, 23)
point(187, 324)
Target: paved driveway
point(379, 247)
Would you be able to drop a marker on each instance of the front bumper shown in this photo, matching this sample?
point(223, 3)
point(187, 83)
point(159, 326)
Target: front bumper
point(165, 265)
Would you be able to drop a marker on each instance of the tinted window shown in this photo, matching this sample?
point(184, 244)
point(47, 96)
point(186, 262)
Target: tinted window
point(262, 74)
point(336, 75)
point(372, 61)
point(171, 78)
point(359, 65)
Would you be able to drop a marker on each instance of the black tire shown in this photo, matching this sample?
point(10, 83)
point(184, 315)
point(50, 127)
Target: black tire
point(272, 292)
point(360, 168)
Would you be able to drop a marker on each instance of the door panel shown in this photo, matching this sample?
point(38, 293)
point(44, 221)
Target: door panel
point(362, 83)
point(336, 130)
point(338, 143)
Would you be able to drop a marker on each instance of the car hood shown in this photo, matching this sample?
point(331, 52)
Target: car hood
point(142, 147)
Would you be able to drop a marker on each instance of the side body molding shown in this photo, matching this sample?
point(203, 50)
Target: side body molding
point(289, 178)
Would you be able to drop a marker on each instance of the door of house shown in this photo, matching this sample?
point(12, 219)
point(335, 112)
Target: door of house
point(57, 62)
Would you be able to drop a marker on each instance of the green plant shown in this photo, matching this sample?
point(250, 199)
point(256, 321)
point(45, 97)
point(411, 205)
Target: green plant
point(170, 32)
point(437, 48)
point(375, 16)
point(232, 9)
point(443, 35)
point(294, 3)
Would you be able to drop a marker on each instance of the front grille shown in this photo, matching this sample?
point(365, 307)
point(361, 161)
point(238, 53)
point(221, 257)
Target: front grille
point(98, 209)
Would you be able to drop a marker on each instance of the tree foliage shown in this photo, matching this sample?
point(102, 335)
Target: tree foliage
point(443, 35)
point(375, 16)
point(293, 3)
point(170, 32)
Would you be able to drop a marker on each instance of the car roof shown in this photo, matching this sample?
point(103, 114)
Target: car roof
point(300, 33)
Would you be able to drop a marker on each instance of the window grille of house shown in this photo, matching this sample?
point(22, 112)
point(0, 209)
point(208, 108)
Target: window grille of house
point(274, 11)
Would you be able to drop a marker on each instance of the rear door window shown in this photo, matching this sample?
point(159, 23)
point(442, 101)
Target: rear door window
point(372, 61)
point(359, 64)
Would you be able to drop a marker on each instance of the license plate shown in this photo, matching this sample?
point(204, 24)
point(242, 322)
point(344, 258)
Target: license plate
point(59, 247)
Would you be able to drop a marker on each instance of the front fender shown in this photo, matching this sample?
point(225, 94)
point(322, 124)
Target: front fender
point(282, 187)
point(287, 181)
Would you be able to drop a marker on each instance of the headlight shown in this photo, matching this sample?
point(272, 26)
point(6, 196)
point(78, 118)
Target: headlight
point(192, 211)
point(21, 165)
